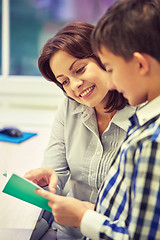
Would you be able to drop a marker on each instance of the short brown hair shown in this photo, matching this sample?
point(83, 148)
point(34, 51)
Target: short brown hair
point(129, 26)
point(74, 38)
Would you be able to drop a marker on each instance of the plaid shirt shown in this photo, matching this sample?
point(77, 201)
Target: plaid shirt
point(129, 200)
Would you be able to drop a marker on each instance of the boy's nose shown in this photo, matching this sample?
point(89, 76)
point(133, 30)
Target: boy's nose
point(110, 85)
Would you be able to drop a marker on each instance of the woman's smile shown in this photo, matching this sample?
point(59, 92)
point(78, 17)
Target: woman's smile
point(87, 92)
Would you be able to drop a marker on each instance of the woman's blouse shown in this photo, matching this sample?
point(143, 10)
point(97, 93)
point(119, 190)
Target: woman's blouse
point(76, 151)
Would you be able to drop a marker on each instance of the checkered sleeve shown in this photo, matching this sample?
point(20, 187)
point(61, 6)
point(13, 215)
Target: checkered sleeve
point(145, 199)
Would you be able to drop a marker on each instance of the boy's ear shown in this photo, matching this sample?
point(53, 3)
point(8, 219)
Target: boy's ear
point(142, 61)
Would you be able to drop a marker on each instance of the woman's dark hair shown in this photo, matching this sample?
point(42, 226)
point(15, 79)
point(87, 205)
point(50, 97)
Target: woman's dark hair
point(74, 38)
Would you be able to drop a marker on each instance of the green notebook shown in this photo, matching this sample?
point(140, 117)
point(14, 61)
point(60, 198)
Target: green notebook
point(23, 189)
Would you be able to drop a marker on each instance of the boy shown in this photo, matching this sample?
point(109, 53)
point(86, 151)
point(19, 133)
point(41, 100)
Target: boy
point(127, 40)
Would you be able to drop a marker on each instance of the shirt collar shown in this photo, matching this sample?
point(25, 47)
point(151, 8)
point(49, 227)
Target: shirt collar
point(79, 109)
point(121, 118)
point(148, 111)
point(84, 110)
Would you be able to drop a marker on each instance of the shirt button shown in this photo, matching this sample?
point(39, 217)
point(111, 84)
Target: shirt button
point(98, 153)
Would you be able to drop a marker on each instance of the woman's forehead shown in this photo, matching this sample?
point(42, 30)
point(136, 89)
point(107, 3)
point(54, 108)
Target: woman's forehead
point(62, 62)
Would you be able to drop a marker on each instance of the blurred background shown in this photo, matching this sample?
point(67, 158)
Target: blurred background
point(26, 97)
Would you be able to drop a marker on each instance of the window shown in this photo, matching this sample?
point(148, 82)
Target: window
point(0, 37)
point(26, 26)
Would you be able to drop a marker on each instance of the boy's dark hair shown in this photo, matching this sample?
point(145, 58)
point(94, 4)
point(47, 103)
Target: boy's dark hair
point(130, 26)
point(74, 38)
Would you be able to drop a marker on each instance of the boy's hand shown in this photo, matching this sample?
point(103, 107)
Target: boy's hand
point(43, 177)
point(66, 210)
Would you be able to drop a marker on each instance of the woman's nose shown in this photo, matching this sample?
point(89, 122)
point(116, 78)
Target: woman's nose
point(75, 83)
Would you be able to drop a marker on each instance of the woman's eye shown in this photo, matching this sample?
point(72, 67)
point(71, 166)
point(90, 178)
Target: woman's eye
point(65, 82)
point(80, 69)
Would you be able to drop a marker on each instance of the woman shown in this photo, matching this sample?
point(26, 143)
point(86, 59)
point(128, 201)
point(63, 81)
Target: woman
point(89, 125)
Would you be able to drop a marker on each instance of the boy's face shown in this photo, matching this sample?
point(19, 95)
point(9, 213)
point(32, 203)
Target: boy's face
point(124, 76)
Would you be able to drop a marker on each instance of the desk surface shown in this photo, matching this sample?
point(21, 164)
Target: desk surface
point(18, 218)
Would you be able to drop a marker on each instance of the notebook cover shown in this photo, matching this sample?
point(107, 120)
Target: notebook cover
point(23, 189)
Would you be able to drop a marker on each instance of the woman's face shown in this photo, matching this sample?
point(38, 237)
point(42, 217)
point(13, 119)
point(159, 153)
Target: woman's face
point(82, 79)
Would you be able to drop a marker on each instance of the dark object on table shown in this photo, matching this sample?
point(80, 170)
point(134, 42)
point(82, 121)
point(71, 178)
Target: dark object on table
point(11, 132)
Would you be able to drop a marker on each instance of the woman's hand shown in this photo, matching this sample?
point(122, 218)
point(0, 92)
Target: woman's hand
point(43, 177)
point(66, 210)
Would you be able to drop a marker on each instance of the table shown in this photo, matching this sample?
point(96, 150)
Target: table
point(18, 218)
